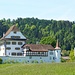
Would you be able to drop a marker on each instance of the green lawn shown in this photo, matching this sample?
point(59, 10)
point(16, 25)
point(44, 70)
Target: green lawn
point(38, 69)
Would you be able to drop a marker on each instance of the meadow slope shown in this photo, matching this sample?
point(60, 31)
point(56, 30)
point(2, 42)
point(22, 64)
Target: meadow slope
point(38, 69)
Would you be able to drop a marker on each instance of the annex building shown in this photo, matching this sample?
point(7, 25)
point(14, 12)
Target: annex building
point(13, 47)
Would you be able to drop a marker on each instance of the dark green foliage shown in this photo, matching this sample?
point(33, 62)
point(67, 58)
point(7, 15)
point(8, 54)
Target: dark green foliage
point(65, 53)
point(34, 29)
point(63, 60)
point(1, 60)
point(48, 40)
point(72, 57)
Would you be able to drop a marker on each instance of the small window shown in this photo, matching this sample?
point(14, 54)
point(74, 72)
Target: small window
point(15, 37)
point(19, 43)
point(8, 48)
point(14, 43)
point(51, 53)
point(38, 52)
point(7, 43)
point(40, 57)
point(13, 54)
point(19, 54)
point(42, 52)
point(9, 53)
point(53, 58)
point(30, 57)
point(27, 47)
point(14, 32)
point(3, 48)
point(17, 48)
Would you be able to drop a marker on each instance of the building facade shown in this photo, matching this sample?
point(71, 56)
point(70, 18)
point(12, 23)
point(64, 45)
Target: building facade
point(13, 46)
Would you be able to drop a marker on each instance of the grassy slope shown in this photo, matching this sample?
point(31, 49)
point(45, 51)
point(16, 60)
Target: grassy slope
point(38, 69)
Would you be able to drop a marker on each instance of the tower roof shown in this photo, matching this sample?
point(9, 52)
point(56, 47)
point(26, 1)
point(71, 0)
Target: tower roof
point(57, 45)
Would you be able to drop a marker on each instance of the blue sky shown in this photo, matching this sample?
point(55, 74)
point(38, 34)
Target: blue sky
point(42, 9)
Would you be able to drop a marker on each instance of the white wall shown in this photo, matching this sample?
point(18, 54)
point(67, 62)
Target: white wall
point(2, 50)
point(17, 34)
point(58, 55)
point(14, 46)
point(33, 58)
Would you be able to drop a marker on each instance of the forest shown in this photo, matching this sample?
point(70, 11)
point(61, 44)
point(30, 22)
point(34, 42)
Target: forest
point(36, 30)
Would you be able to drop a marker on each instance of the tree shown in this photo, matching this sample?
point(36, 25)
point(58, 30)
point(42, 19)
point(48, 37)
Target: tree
point(72, 55)
point(48, 40)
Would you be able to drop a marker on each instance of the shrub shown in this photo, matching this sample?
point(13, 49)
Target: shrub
point(1, 60)
point(32, 61)
point(41, 61)
point(63, 60)
point(35, 61)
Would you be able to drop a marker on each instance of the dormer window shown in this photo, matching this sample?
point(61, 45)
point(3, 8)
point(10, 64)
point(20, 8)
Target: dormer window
point(15, 32)
point(15, 37)
point(27, 47)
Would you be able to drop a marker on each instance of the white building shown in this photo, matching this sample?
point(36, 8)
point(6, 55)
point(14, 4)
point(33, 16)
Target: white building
point(13, 46)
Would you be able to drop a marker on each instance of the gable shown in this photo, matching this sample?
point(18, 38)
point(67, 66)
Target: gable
point(13, 33)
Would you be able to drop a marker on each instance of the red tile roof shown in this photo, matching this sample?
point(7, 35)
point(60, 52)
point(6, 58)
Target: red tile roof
point(39, 47)
point(12, 28)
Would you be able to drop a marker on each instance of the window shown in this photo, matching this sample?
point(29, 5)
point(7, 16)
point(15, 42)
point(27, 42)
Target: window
point(9, 53)
point(7, 43)
point(19, 54)
point(8, 48)
point(27, 47)
point(30, 57)
point(17, 48)
point(42, 52)
point(15, 37)
point(14, 43)
point(14, 32)
point(51, 53)
point(38, 52)
point(53, 58)
point(13, 54)
point(40, 57)
point(19, 43)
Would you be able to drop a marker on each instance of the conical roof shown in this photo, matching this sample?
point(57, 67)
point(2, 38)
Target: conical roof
point(57, 45)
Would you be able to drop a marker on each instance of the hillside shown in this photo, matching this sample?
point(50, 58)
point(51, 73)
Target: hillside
point(38, 69)
point(34, 29)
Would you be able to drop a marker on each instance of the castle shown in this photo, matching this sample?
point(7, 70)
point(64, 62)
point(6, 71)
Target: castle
point(13, 46)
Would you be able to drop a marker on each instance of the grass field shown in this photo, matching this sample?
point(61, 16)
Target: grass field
point(38, 69)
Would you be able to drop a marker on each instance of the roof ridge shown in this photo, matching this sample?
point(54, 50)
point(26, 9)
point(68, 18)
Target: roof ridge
point(12, 28)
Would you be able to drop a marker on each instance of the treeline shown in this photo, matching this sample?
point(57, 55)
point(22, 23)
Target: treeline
point(34, 29)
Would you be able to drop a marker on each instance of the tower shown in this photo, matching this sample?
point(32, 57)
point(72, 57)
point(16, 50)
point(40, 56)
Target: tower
point(58, 52)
